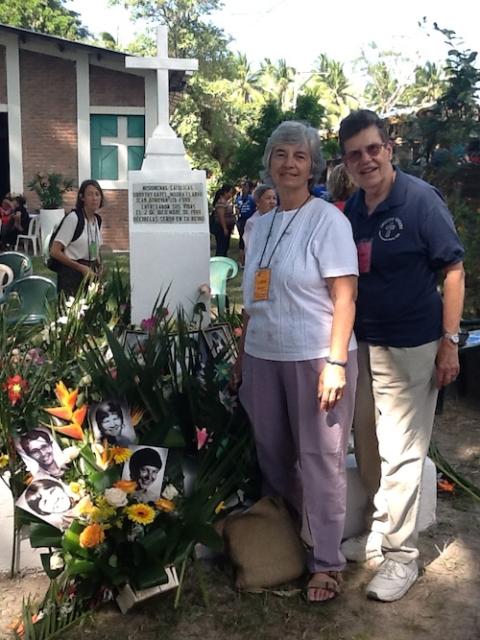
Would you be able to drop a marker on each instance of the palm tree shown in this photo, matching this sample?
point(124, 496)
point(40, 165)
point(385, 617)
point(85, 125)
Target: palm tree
point(246, 82)
point(278, 81)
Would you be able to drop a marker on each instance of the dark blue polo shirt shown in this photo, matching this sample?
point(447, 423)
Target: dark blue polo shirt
point(412, 237)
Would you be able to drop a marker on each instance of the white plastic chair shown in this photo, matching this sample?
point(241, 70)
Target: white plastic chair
point(32, 236)
point(6, 278)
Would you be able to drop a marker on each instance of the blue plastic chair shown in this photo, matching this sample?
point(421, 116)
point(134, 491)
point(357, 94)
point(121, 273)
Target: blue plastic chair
point(19, 263)
point(35, 294)
point(221, 270)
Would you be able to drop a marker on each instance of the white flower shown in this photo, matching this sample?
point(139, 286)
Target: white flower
point(62, 320)
point(116, 497)
point(85, 381)
point(169, 493)
point(69, 302)
point(56, 561)
point(70, 453)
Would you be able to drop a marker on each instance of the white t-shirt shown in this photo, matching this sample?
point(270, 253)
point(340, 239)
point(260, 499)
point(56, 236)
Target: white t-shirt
point(295, 322)
point(79, 249)
point(247, 231)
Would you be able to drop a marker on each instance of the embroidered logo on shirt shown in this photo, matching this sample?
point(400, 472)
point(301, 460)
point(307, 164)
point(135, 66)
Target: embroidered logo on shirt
point(390, 229)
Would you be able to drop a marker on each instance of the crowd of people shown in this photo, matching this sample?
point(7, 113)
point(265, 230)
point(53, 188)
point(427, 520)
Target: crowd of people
point(343, 325)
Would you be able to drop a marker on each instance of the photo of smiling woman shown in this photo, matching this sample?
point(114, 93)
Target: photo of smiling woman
point(49, 500)
point(111, 421)
point(147, 467)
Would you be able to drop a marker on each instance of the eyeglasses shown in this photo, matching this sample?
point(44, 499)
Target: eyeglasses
point(371, 149)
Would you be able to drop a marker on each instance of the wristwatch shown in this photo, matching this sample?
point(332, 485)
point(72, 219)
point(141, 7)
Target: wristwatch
point(452, 337)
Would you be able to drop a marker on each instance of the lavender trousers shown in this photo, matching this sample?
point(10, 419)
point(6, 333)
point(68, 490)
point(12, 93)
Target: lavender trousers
point(301, 450)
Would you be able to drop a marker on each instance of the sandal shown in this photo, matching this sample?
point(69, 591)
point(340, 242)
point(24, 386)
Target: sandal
point(329, 581)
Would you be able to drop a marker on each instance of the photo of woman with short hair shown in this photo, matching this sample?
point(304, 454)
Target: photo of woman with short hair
point(48, 499)
point(111, 421)
point(147, 467)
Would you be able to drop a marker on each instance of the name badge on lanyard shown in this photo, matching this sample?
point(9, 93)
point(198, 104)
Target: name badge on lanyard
point(262, 284)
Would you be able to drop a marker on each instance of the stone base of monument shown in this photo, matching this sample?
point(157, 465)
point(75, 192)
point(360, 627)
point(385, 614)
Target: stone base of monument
point(25, 557)
point(357, 499)
point(28, 558)
point(128, 597)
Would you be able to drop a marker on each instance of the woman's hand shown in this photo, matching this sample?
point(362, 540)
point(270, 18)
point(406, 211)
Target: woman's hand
point(330, 386)
point(86, 271)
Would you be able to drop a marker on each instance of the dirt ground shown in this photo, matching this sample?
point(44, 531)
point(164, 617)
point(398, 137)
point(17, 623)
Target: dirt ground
point(444, 603)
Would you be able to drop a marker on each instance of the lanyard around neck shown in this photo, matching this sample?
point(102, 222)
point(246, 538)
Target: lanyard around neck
point(282, 234)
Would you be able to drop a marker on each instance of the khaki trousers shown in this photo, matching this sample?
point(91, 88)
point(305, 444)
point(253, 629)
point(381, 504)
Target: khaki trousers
point(393, 420)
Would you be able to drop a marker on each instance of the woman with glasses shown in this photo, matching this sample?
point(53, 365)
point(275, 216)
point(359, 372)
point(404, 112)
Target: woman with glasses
point(298, 353)
point(408, 342)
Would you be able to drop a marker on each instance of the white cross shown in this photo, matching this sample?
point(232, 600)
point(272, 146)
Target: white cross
point(162, 63)
point(122, 141)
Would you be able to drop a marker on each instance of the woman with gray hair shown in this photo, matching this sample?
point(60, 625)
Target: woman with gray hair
point(298, 354)
point(265, 200)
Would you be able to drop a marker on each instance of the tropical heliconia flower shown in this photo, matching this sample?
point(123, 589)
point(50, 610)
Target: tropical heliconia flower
point(165, 505)
point(15, 386)
point(136, 415)
point(202, 437)
point(92, 536)
point(128, 486)
point(67, 411)
point(140, 513)
point(119, 454)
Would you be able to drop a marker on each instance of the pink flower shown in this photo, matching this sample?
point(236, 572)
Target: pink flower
point(237, 332)
point(113, 373)
point(202, 437)
point(148, 324)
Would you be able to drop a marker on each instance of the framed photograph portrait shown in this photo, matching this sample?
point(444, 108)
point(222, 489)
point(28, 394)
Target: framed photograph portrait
point(40, 452)
point(220, 342)
point(50, 500)
point(146, 466)
point(133, 343)
point(111, 421)
point(188, 346)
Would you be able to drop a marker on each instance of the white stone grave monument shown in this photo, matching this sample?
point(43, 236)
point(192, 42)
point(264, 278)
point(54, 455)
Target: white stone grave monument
point(167, 202)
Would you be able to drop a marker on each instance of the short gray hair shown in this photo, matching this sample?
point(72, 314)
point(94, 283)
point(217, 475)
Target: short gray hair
point(293, 132)
point(260, 190)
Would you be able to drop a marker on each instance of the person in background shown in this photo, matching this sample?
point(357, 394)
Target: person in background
point(245, 207)
point(17, 223)
point(340, 186)
point(224, 219)
point(265, 200)
point(297, 357)
point(6, 209)
point(408, 342)
point(79, 258)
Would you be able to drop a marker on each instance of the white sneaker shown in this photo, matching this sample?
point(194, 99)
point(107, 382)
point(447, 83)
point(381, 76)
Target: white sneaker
point(364, 548)
point(392, 580)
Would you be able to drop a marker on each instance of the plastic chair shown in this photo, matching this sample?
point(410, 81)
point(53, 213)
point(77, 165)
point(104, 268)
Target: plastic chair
point(35, 294)
point(19, 263)
point(6, 278)
point(33, 236)
point(221, 270)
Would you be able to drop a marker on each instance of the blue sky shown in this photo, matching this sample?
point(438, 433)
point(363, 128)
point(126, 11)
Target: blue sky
point(299, 30)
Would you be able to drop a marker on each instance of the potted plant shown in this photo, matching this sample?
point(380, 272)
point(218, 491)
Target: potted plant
point(50, 188)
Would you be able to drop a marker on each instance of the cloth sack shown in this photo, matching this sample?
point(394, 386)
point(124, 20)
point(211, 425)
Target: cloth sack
point(264, 545)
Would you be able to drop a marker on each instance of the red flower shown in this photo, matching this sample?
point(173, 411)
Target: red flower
point(15, 386)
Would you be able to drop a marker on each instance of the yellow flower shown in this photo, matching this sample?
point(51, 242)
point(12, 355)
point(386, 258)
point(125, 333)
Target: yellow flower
point(140, 513)
point(129, 486)
point(84, 507)
point(220, 507)
point(120, 454)
point(102, 510)
point(165, 505)
point(75, 487)
point(3, 460)
point(92, 536)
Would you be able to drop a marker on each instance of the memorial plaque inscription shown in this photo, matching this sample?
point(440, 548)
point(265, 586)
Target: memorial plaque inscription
point(167, 203)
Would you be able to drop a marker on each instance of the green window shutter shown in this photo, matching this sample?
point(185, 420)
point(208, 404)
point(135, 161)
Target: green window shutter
point(135, 158)
point(136, 127)
point(104, 160)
